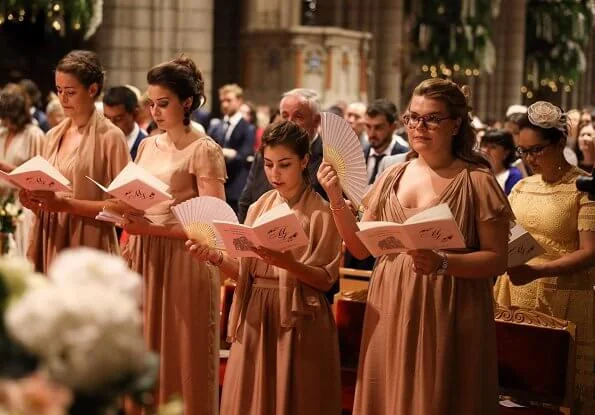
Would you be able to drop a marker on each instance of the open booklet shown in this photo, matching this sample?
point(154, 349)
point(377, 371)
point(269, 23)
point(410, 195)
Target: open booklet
point(278, 229)
point(434, 228)
point(522, 247)
point(136, 187)
point(37, 174)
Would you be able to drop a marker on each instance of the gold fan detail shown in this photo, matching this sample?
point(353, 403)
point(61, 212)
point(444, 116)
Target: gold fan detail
point(334, 158)
point(343, 150)
point(197, 215)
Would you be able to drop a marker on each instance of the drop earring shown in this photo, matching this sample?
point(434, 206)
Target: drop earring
point(186, 117)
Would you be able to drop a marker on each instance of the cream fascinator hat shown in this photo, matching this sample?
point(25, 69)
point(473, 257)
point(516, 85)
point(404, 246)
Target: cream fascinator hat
point(547, 115)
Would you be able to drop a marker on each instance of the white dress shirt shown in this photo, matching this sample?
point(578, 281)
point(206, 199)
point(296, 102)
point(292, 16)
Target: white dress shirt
point(131, 138)
point(372, 160)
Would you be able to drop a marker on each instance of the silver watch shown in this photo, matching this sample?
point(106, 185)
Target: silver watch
point(443, 269)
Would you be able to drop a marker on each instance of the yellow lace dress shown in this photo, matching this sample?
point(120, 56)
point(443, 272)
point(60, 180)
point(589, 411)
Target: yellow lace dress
point(554, 213)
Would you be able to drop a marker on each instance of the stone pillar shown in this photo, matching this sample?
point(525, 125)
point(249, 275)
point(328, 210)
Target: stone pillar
point(389, 50)
point(137, 34)
point(514, 13)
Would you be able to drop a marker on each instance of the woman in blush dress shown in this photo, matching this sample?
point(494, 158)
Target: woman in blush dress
point(20, 140)
point(284, 356)
point(181, 296)
point(83, 144)
point(429, 340)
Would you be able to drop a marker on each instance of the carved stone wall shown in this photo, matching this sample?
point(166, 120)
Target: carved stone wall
point(137, 34)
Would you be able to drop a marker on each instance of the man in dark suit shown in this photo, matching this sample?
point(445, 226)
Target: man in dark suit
point(381, 122)
point(120, 106)
point(301, 106)
point(236, 136)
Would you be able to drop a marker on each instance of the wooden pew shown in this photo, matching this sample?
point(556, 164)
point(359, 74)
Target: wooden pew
point(536, 361)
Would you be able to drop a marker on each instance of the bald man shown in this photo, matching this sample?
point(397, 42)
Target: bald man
point(354, 115)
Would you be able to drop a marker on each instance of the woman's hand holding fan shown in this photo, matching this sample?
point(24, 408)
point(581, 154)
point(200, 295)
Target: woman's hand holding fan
point(197, 215)
point(343, 150)
point(329, 180)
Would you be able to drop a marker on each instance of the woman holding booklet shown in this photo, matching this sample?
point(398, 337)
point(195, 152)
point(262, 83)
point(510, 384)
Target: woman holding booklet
point(181, 296)
point(84, 144)
point(20, 140)
point(284, 356)
point(562, 219)
point(429, 344)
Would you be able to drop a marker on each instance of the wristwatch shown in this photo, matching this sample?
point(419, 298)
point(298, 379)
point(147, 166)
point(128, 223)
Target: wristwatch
point(443, 269)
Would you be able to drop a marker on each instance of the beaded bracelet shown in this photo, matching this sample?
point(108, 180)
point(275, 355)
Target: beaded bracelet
point(219, 260)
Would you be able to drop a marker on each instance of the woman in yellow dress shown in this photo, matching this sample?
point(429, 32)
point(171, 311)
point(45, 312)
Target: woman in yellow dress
point(562, 219)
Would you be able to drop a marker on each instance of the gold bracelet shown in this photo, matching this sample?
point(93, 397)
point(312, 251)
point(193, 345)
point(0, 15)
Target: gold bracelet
point(336, 209)
point(219, 260)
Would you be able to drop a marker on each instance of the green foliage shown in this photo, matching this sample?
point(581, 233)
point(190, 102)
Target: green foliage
point(452, 34)
point(557, 33)
point(65, 17)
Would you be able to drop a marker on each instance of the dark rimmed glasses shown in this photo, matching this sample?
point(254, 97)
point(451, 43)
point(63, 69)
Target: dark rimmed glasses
point(429, 122)
point(534, 151)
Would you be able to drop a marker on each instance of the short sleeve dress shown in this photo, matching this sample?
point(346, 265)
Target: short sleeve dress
point(429, 342)
point(180, 295)
point(555, 213)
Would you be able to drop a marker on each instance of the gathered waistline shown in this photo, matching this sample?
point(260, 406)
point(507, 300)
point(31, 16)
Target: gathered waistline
point(261, 282)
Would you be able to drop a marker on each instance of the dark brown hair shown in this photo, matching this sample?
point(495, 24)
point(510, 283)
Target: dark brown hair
point(503, 138)
point(85, 66)
point(14, 106)
point(463, 143)
point(182, 77)
point(383, 107)
point(288, 134)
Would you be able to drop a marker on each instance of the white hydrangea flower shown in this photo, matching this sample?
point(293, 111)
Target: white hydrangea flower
point(18, 275)
point(12, 209)
point(86, 336)
point(89, 266)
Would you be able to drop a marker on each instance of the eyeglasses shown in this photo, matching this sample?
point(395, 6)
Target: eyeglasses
point(534, 151)
point(429, 122)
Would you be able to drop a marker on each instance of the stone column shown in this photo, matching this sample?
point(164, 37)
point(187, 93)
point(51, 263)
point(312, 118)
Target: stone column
point(137, 34)
point(513, 15)
point(389, 41)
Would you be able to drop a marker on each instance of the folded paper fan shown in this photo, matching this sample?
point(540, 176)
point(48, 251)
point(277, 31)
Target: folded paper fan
point(343, 150)
point(197, 215)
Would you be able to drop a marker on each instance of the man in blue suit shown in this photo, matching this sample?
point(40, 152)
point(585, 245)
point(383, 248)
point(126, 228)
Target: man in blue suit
point(236, 137)
point(120, 106)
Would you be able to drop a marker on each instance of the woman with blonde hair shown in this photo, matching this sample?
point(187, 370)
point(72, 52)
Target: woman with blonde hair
point(429, 341)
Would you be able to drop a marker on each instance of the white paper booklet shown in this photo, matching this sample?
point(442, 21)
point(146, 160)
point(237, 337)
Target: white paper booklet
point(107, 215)
point(277, 229)
point(434, 228)
point(37, 174)
point(522, 247)
point(136, 187)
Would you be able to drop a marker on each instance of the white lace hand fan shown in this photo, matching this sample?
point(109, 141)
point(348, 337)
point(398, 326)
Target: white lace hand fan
point(196, 216)
point(343, 150)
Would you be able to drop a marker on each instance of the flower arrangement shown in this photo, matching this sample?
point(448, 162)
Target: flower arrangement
point(10, 214)
point(74, 339)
